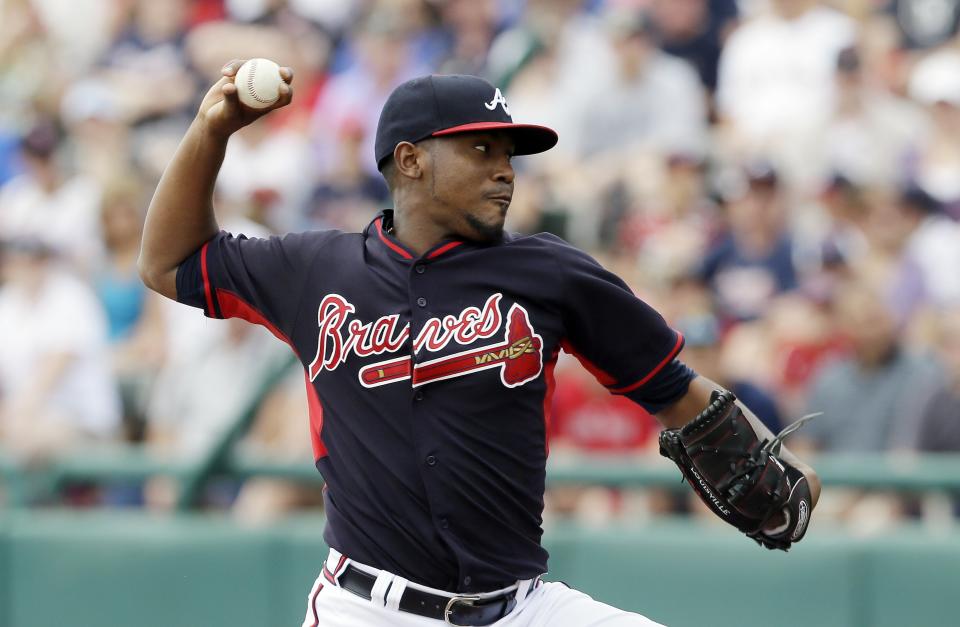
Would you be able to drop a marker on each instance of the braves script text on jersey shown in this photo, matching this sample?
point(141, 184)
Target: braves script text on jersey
point(429, 381)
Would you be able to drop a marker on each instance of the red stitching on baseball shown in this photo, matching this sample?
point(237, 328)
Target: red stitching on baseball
point(250, 87)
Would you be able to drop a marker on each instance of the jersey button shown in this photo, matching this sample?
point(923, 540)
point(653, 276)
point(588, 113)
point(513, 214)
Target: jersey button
point(420, 268)
point(422, 301)
point(444, 523)
point(418, 395)
point(467, 580)
point(431, 460)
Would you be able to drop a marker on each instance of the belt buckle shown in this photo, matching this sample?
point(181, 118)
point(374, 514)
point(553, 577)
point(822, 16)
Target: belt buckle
point(469, 600)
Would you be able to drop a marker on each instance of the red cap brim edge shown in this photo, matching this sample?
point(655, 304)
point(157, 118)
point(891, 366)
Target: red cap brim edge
point(530, 138)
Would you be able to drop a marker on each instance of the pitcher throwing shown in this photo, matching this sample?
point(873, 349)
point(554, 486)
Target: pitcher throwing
point(428, 343)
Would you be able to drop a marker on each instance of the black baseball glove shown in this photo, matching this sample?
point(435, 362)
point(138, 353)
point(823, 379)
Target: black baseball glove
point(739, 476)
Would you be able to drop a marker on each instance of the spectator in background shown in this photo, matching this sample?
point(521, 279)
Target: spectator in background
point(350, 194)
point(147, 58)
point(49, 204)
point(912, 251)
point(265, 166)
point(754, 261)
point(283, 32)
point(471, 26)
point(885, 264)
point(870, 131)
point(703, 352)
point(192, 409)
point(628, 116)
point(775, 87)
point(587, 418)
point(92, 118)
point(382, 61)
point(649, 103)
point(274, 436)
point(938, 429)
point(57, 391)
point(695, 30)
point(935, 82)
point(925, 23)
point(932, 244)
point(845, 206)
point(675, 221)
point(25, 46)
point(551, 61)
point(135, 325)
point(872, 397)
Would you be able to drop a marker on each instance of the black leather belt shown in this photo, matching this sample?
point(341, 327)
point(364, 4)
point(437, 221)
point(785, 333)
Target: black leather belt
point(459, 610)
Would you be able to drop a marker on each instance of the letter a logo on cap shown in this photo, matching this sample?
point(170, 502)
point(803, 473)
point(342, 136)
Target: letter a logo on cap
point(498, 99)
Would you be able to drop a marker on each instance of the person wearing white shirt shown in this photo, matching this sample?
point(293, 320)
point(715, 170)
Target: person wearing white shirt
point(56, 386)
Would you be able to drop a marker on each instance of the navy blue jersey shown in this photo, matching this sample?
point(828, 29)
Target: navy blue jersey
point(429, 380)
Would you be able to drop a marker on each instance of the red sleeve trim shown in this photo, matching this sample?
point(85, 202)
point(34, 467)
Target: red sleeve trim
point(397, 249)
point(206, 281)
point(666, 360)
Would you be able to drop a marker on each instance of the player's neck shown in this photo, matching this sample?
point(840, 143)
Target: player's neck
point(417, 232)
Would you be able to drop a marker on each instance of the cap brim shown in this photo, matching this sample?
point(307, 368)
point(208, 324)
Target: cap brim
point(529, 139)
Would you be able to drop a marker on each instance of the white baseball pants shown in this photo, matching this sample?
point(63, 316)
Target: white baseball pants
point(539, 604)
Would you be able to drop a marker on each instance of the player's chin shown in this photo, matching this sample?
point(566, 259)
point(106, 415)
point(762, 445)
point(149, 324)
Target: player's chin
point(487, 226)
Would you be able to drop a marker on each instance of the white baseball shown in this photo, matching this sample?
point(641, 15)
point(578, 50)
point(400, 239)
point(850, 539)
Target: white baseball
point(258, 83)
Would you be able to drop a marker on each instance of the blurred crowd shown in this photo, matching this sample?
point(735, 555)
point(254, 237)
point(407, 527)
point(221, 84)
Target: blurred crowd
point(780, 178)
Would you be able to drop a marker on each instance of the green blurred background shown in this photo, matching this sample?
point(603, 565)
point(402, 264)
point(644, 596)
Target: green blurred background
point(112, 570)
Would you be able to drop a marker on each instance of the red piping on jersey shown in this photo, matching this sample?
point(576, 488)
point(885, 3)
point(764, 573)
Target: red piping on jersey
point(397, 249)
point(443, 249)
point(315, 411)
point(607, 380)
point(232, 306)
point(666, 360)
point(548, 397)
point(602, 376)
point(206, 280)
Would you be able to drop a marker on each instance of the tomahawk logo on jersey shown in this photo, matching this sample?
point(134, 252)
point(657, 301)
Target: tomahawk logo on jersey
point(427, 374)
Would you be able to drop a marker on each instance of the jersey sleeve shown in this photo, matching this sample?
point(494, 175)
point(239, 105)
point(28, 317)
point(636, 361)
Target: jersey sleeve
point(259, 280)
point(623, 341)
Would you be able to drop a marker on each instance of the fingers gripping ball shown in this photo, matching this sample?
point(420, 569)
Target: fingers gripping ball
point(738, 476)
point(258, 83)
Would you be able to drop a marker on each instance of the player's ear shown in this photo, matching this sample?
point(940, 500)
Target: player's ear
point(409, 160)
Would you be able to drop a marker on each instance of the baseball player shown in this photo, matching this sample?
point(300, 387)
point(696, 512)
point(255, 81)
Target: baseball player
point(428, 343)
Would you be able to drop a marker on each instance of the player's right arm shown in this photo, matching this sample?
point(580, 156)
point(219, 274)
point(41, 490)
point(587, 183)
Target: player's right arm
point(180, 218)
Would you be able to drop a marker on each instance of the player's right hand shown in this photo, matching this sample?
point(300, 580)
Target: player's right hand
point(221, 110)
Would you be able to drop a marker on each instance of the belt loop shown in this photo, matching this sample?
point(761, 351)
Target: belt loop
point(333, 558)
point(380, 586)
point(334, 565)
point(396, 591)
point(523, 587)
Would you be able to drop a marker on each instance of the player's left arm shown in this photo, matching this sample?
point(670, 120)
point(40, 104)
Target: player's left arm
point(697, 397)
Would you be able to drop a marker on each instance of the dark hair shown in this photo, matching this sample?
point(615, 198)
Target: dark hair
point(915, 198)
point(848, 60)
point(42, 139)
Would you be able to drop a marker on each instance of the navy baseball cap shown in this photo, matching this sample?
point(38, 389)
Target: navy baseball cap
point(438, 105)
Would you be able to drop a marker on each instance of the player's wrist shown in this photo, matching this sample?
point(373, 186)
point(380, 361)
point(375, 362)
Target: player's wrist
point(209, 130)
